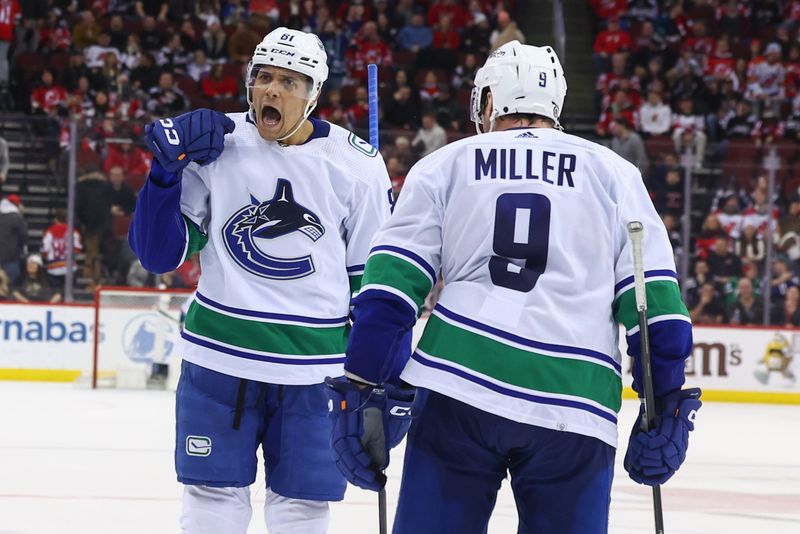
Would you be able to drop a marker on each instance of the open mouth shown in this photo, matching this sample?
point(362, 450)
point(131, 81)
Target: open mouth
point(270, 117)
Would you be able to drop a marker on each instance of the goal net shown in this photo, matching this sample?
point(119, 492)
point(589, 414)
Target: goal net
point(136, 330)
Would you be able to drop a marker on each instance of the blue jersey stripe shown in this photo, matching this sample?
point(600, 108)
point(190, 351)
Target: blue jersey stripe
point(564, 349)
point(337, 321)
point(408, 254)
point(512, 392)
point(259, 357)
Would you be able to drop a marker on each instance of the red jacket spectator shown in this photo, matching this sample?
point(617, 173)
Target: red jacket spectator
point(368, 49)
point(54, 245)
point(446, 36)
point(612, 40)
point(218, 84)
point(133, 160)
point(344, 7)
point(9, 11)
point(458, 16)
point(49, 96)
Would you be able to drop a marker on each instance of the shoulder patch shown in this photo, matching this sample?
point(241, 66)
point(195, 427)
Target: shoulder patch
point(362, 146)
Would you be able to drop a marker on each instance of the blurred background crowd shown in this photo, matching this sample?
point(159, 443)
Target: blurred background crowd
point(712, 85)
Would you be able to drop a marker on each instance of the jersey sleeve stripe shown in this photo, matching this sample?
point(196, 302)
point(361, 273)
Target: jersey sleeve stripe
point(408, 255)
point(437, 363)
point(355, 282)
point(659, 319)
point(388, 269)
point(661, 274)
point(252, 314)
point(396, 293)
point(195, 239)
point(460, 320)
point(355, 269)
point(663, 299)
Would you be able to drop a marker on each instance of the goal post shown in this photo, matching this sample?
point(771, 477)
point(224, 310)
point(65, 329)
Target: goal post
point(135, 333)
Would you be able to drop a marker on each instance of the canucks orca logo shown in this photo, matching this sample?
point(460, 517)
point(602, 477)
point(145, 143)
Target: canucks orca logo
point(278, 216)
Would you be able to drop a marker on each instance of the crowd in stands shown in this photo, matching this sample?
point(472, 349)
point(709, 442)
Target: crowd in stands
point(116, 65)
point(719, 80)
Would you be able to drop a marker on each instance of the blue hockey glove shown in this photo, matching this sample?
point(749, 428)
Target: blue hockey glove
point(198, 135)
point(654, 456)
point(367, 423)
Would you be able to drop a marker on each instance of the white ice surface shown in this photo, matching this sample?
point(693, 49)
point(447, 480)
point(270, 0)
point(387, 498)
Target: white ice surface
point(76, 461)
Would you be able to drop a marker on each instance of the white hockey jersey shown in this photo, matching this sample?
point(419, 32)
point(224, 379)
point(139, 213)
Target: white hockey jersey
point(284, 232)
point(528, 229)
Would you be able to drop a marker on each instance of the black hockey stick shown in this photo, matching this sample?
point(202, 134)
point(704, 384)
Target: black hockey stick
point(382, 511)
point(636, 234)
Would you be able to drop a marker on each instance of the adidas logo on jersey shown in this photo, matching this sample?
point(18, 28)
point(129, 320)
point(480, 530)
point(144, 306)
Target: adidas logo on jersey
point(527, 135)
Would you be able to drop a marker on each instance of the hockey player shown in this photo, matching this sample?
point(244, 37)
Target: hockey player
point(518, 368)
point(282, 208)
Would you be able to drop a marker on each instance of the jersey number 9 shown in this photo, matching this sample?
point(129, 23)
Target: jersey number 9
point(521, 231)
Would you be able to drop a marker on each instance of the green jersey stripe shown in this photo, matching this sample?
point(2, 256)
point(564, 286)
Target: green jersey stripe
point(355, 282)
point(663, 298)
point(196, 239)
point(265, 336)
point(390, 270)
point(520, 367)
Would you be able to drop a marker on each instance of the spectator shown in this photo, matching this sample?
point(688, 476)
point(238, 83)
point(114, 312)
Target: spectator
point(49, 96)
point(151, 38)
point(505, 32)
point(746, 309)
point(730, 217)
point(397, 174)
point(233, 12)
point(765, 80)
point(172, 56)
point(430, 136)
point(358, 113)
point(199, 67)
point(133, 161)
point(446, 43)
point(655, 115)
point(629, 145)
point(218, 84)
point(709, 307)
point(608, 42)
point(166, 99)
point(430, 87)
point(446, 109)
point(782, 279)
point(368, 48)
point(402, 151)
point(10, 14)
point(335, 44)
point(787, 312)
point(86, 31)
point(768, 129)
point(788, 242)
point(117, 33)
point(242, 43)
point(415, 36)
point(34, 286)
point(189, 38)
point(669, 196)
point(722, 264)
point(214, 41)
point(5, 161)
point(401, 111)
point(709, 233)
point(448, 8)
point(689, 130)
point(94, 197)
point(123, 199)
point(758, 215)
point(750, 245)
point(675, 238)
point(146, 75)
point(54, 248)
point(743, 123)
point(13, 236)
point(477, 34)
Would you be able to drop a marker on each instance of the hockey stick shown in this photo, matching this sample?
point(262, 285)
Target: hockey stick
point(636, 234)
point(372, 91)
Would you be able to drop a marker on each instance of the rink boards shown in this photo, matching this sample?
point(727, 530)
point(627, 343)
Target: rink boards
point(55, 342)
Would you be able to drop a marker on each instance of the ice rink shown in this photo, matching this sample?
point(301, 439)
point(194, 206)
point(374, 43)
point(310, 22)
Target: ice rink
point(76, 461)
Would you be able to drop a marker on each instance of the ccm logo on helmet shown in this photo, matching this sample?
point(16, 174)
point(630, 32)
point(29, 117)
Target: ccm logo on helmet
point(281, 52)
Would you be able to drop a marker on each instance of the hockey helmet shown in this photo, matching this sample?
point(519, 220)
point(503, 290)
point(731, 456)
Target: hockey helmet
point(522, 79)
point(293, 50)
